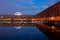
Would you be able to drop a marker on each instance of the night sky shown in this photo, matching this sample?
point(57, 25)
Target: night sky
point(27, 7)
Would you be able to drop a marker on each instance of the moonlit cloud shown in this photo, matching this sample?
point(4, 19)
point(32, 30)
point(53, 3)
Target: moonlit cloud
point(25, 1)
point(29, 8)
point(52, 0)
point(44, 6)
point(28, 1)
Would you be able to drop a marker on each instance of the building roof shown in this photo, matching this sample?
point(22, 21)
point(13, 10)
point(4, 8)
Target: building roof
point(54, 10)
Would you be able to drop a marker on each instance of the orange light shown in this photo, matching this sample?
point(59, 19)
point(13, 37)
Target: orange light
point(52, 18)
point(53, 28)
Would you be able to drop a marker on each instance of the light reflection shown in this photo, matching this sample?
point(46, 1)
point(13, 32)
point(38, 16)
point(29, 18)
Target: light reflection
point(53, 28)
point(18, 27)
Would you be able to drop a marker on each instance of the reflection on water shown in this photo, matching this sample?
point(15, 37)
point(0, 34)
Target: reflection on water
point(18, 27)
point(24, 33)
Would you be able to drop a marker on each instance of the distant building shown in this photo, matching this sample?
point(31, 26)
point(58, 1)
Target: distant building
point(54, 10)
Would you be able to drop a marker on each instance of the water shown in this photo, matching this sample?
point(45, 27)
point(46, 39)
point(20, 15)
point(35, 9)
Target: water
point(24, 33)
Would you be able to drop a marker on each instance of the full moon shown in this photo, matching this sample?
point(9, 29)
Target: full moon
point(18, 13)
